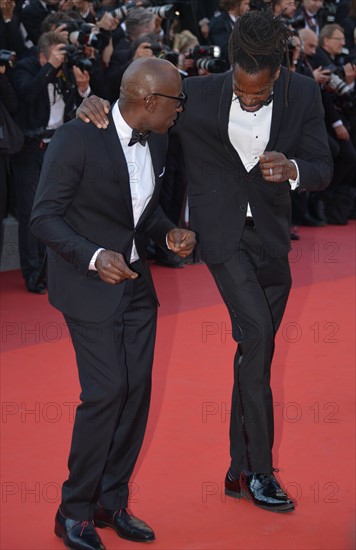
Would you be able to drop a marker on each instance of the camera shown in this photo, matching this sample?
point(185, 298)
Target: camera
point(165, 12)
point(75, 56)
point(161, 53)
point(7, 58)
point(85, 34)
point(296, 22)
point(336, 83)
point(207, 58)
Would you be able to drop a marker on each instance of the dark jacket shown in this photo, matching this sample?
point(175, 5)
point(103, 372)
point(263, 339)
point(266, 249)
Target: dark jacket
point(219, 187)
point(83, 202)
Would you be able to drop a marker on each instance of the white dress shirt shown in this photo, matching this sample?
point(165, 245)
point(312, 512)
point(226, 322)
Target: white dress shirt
point(141, 174)
point(249, 134)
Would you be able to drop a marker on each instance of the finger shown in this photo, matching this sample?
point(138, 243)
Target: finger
point(93, 113)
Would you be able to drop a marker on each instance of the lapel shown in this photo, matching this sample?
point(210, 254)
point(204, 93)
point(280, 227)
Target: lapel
point(224, 112)
point(279, 104)
point(119, 161)
point(155, 144)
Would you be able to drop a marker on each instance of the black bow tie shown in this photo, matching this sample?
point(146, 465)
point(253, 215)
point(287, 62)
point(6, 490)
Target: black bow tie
point(138, 138)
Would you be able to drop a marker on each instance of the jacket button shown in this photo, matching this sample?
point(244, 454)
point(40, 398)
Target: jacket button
point(242, 208)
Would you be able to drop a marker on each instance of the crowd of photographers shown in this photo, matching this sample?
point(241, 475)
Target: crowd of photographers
point(54, 53)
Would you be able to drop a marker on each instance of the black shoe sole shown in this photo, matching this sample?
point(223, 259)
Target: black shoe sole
point(102, 525)
point(232, 494)
point(282, 508)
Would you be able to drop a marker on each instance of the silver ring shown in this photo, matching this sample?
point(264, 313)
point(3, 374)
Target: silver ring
point(270, 172)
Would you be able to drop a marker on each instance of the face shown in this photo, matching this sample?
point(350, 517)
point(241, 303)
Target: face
point(163, 110)
point(243, 7)
point(310, 45)
point(335, 43)
point(312, 6)
point(252, 90)
point(288, 8)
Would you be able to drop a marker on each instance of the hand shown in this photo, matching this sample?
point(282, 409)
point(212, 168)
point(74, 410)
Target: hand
point(276, 167)
point(342, 133)
point(181, 241)
point(112, 268)
point(2, 69)
point(350, 73)
point(143, 50)
point(94, 109)
point(108, 22)
point(57, 55)
point(62, 30)
point(322, 76)
point(82, 79)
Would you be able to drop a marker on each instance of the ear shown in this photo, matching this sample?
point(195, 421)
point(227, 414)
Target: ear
point(277, 73)
point(42, 58)
point(150, 103)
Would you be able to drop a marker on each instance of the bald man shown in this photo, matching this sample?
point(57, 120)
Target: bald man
point(97, 202)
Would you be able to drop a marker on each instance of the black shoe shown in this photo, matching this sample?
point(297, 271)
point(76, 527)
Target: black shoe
point(77, 535)
point(309, 221)
point(265, 492)
point(232, 488)
point(126, 526)
point(33, 285)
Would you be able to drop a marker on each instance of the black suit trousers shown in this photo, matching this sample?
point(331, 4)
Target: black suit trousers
point(255, 289)
point(114, 360)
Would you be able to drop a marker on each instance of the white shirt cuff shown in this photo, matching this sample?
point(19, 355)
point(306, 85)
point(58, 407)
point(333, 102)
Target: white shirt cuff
point(93, 260)
point(337, 123)
point(167, 242)
point(295, 183)
point(86, 92)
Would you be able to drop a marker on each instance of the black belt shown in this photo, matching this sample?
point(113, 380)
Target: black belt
point(249, 222)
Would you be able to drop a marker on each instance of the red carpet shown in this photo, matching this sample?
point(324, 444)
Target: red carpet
point(178, 482)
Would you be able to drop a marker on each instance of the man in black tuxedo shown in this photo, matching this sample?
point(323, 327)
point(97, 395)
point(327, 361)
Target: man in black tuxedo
point(248, 137)
point(97, 202)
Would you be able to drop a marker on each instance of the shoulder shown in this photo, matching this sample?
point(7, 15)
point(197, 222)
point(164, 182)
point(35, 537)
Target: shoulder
point(210, 82)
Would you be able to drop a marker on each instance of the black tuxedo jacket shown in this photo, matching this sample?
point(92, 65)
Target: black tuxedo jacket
point(219, 187)
point(83, 202)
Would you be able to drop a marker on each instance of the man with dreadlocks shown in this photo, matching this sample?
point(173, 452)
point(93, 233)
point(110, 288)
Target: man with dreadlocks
point(248, 137)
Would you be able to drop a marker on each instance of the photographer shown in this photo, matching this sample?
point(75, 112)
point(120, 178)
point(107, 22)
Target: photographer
point(139, 21)
point(221, 26)
point(8, 102)
point(10, 34)
point(48, 89)
point(338, 96)
point(310, 15)
point(34, 13)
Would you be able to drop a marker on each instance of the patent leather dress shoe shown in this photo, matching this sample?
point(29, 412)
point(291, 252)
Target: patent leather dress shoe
point(77, 535)
point(126, 526)
point(232, 487)
point(265, 492)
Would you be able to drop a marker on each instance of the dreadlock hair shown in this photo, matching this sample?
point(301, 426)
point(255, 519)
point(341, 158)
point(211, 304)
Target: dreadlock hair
point(259, 41)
